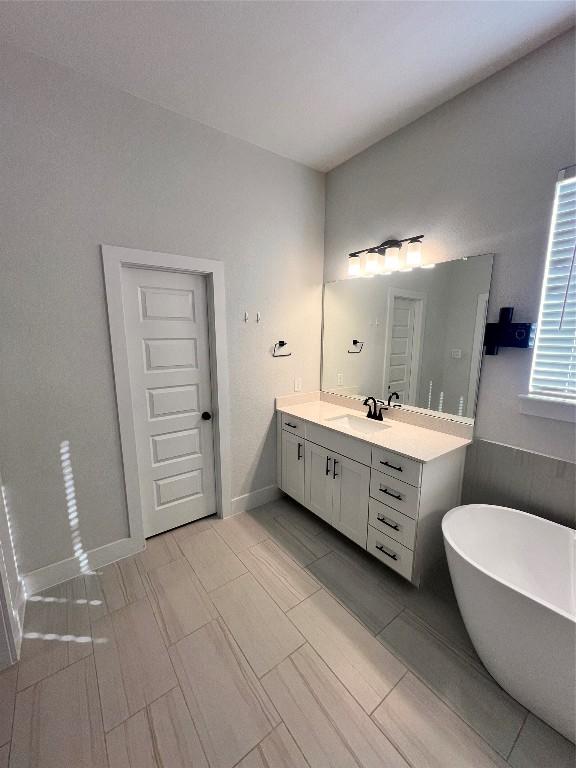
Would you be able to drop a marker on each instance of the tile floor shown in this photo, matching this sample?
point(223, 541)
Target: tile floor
point(262, 641)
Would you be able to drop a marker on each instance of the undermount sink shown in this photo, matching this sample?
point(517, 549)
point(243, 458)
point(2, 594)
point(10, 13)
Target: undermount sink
point(359, 424)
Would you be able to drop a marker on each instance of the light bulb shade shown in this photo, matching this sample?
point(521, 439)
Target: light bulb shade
point(372, 263)
point(354, 266)
point(414, 254)
point(392, 258)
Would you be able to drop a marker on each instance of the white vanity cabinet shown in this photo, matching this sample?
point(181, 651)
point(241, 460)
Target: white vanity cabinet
point(388, 503)
point(337, 490)
point(293, 466)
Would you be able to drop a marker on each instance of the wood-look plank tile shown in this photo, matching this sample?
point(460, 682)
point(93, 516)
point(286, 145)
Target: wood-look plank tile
point(8, 678)
point(174, 733)
point(302, 547)
point(229, 707)
point(4, 755)
point(130, 744)
point(277, 750)
point(212, 559)
point(441, 614)
point(259, 627)
point(329, 726)
point(197, 526)
point(350, 650)
point(58, 723)
point(495, 715)
point(358, 587)
point(159, 550)
point(161, 736)
point(121, 582)
point(133, 665)
point(240, 531)
point(180, 603)
point(301, 518)
point(284, 580)
point(56, 613)
point(540, 746)
point(428, 733)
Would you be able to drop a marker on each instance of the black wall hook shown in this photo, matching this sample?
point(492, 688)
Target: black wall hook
point(358, 346)
point(279, 345)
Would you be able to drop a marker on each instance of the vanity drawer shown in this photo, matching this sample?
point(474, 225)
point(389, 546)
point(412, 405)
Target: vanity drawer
point(395, 465)
point(291, 424)
point(399, 527)
point(354, 449)
point(394, 493)
point(390, 552)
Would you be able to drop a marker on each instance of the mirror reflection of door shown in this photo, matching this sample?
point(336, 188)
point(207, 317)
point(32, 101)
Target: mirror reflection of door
point(404, 339)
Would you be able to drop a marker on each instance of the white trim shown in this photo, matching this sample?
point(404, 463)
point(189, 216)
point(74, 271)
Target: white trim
point(476, 354)
point(114, 259)
point(547, 408)
point(419, 315)
point(255, 499)
point(55, 573)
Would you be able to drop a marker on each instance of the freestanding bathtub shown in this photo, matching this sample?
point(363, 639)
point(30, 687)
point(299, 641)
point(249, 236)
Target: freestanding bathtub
point(513, 574)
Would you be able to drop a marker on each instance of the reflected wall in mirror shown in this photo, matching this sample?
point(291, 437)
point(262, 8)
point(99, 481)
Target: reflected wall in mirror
point(418, 333)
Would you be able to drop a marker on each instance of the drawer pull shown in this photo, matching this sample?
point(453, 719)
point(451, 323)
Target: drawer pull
point(327, 465)
point(334, 475)
point(294, 426)
point(398, 497)
point(390, 525)
point(385, 552)
point(386, 464)
point(299, 451)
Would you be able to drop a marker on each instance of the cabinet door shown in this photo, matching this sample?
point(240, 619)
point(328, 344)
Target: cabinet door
point(293, 466)
point(319, 482)
point(351, 498)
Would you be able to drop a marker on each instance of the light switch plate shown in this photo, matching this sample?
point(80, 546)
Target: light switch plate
point(298, 384)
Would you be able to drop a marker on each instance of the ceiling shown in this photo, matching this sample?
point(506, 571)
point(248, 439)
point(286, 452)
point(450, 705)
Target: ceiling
point(316, 82)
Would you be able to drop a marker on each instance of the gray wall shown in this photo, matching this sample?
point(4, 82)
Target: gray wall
point(498, 474)
point(475, 175)
point(84, 164)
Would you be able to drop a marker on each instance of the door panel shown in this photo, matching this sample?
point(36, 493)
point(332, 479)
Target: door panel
point(293, 466)
point(166, 323)
point(351, 499)
point(401, 347)
point(320, 482)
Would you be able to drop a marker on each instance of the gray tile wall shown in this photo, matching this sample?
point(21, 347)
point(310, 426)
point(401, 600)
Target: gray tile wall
point(510, 477)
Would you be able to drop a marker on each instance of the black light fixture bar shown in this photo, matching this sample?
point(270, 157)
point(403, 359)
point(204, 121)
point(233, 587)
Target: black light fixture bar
point(393, 243)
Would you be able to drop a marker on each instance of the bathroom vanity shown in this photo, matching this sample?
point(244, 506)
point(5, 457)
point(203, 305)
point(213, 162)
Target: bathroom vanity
point(384, 484)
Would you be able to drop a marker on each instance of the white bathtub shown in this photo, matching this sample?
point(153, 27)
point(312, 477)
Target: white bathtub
point(513, 574)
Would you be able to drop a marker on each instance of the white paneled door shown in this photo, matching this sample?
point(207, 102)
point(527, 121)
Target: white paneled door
point(401, 341)
point(166, 325)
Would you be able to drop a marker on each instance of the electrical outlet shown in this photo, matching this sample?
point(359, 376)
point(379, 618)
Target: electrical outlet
point(298, 384)
point(340, 379)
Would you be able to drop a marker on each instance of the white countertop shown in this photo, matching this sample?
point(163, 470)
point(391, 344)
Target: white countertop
point(407, 439)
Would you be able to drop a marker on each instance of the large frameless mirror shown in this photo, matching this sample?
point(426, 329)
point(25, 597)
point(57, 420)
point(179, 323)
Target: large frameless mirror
point(418, 333)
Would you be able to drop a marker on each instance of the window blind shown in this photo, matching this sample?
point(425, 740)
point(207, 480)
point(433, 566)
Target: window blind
point(554, 361)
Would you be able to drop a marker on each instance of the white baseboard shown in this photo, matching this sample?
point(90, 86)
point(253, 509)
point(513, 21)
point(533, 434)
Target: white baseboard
point(56, 573)
point(255, 499)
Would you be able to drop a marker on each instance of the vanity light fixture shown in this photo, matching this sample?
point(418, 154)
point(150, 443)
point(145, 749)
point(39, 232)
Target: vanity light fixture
point(386, 258)
point(414, 252)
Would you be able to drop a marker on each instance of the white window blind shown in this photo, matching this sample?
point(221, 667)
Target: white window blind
point(554, 362)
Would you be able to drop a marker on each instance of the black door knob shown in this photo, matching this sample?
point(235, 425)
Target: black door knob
point(206, 416)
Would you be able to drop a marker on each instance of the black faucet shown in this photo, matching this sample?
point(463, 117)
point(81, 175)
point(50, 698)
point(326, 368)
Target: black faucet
point(373, 411)
point(397, 396)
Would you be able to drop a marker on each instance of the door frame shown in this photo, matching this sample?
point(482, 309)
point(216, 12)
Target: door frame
point(114, 259)
point(419, 314)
